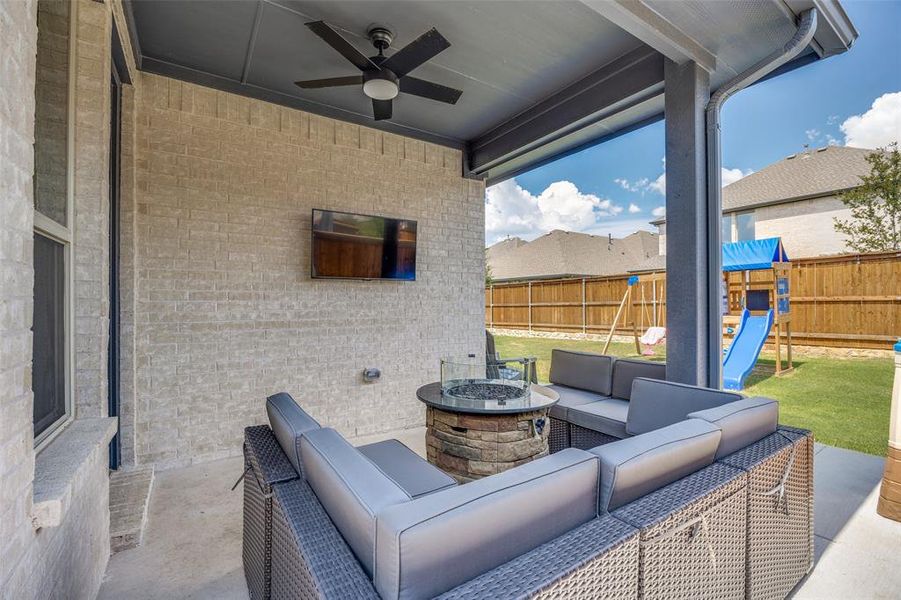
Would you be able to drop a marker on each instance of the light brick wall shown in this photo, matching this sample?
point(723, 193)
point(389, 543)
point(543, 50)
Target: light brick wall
point(807, 227)
point(67, 560)
point(225, 310)
point(18, 44)
point(91, 200)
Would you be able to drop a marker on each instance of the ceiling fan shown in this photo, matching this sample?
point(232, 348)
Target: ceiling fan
point(385, 76)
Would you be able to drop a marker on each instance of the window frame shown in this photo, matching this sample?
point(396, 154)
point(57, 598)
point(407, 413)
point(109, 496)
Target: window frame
point(65, 235)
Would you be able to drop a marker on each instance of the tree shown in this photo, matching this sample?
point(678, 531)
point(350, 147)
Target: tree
point(489, 277)
point(875, 223)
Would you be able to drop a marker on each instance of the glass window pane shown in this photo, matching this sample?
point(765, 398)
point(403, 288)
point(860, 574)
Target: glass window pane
point(49, 341)
point(727, 228)
point(745, 225)
point(51, 110)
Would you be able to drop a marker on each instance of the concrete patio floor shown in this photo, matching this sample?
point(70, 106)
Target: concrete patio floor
point(192, 546)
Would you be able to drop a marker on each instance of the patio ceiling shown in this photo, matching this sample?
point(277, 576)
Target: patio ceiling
point(539, 78)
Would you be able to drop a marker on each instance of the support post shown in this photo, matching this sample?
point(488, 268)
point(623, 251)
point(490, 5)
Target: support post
point(688, 239)
point(889, 505)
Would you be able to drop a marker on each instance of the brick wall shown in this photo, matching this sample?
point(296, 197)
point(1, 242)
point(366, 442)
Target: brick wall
point(225, 310)
point(64, 560)
point(807, 227)
point(18, 43)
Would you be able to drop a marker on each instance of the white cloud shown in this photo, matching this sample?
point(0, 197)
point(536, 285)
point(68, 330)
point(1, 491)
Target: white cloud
point(660, 211)
point(733, 175)
point(639, 185)
point(728, 175)
point(634, 208)
point(511, 210)
point(812, 134)
point(878, 127)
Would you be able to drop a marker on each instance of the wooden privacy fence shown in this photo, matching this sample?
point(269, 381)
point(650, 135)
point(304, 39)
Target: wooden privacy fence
point(851, 301)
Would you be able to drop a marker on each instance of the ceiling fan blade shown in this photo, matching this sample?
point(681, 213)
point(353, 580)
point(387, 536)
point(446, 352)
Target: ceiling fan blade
point(313, 84)
point(334, 39)
point(381, 109)
point(423, 48)
point(430, 90)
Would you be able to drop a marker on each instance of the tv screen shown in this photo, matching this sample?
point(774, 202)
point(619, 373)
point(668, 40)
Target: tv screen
point(352, 246)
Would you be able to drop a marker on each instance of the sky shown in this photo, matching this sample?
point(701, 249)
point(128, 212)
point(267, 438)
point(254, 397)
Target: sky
point(618, 187)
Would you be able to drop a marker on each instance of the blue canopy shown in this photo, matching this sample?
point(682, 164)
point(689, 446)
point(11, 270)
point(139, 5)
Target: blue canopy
point(753, 255)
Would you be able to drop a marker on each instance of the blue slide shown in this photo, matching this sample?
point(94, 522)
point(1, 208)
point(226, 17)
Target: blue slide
point(745, 348)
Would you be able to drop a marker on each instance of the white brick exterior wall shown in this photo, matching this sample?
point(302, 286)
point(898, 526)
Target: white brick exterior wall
point(807, 228)
point(18, 43)
point(225, 310)
point(68, 559)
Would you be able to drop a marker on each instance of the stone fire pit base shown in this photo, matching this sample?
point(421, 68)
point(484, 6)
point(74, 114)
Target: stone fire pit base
point(472, 446)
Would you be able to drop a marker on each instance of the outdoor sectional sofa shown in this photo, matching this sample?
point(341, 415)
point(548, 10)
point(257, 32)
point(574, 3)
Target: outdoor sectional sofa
point(717, 504)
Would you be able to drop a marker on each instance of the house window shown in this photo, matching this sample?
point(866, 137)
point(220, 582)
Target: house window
point(744, 227)
point(726, 230)
point(52, 317)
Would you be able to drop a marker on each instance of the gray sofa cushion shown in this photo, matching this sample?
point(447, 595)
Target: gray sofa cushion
point(656, 404)
point(607, 416)
point(635, 466)
point(625, 370)
point(570, 397)
point(742, 422)
point(582, 370)
point(350, 488)
point(437, 542)
point(408, 470)
point(289, 422)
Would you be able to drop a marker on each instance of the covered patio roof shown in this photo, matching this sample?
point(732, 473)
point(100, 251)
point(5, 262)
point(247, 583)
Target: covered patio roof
point(537, 84)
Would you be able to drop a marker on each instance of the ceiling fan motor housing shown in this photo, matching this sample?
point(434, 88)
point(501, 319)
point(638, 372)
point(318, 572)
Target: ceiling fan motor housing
point(380, 36)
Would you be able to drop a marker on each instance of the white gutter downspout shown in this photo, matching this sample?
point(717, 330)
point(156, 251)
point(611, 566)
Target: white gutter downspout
point(802, 38)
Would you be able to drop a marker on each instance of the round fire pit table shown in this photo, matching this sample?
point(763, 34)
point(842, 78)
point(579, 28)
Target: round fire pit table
point(481, 433)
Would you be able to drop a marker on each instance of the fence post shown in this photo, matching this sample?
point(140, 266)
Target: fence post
point(584, 322)
point(491, 304)
point(530, 307)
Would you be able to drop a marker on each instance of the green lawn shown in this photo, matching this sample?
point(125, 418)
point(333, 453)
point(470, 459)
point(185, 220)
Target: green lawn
point(844, 401)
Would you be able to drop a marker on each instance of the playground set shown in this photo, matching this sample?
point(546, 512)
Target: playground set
point(755, 300)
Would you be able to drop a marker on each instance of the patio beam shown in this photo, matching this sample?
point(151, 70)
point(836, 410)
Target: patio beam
point(650, 27)
point(617, 86)
point(687, 243)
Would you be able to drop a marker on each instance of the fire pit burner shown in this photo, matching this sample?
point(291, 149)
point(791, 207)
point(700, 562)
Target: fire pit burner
point(485, 391)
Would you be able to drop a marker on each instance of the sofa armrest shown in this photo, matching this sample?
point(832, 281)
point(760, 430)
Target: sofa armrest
point(657, 404)
point(596, 560)
point(310, 559)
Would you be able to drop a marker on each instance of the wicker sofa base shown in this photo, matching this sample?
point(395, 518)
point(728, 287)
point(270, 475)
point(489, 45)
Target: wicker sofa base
point(558, 438)
point(586, 439)
point(780, 511)
point(693, 536)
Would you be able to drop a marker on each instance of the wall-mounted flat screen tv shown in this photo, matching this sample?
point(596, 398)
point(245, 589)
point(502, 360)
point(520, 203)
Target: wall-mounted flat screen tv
point(351, 246)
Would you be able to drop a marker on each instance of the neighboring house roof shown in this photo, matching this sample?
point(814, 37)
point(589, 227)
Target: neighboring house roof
point(810, 174)
point(655, 263)
point(568, 253)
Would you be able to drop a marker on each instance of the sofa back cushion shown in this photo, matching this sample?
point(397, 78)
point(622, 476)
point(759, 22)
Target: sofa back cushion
point(289, 422)
point(439, 541)
point(351, 489)
point(582, 370)
point(636, 466)
point(655, 404)
point(742, 422)
point(625, 370)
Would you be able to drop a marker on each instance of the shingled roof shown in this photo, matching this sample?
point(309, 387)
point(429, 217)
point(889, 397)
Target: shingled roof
point(568, 253)
point(810, 174)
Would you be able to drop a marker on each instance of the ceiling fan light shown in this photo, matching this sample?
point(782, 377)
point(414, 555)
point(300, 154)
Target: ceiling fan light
point(380, 89)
